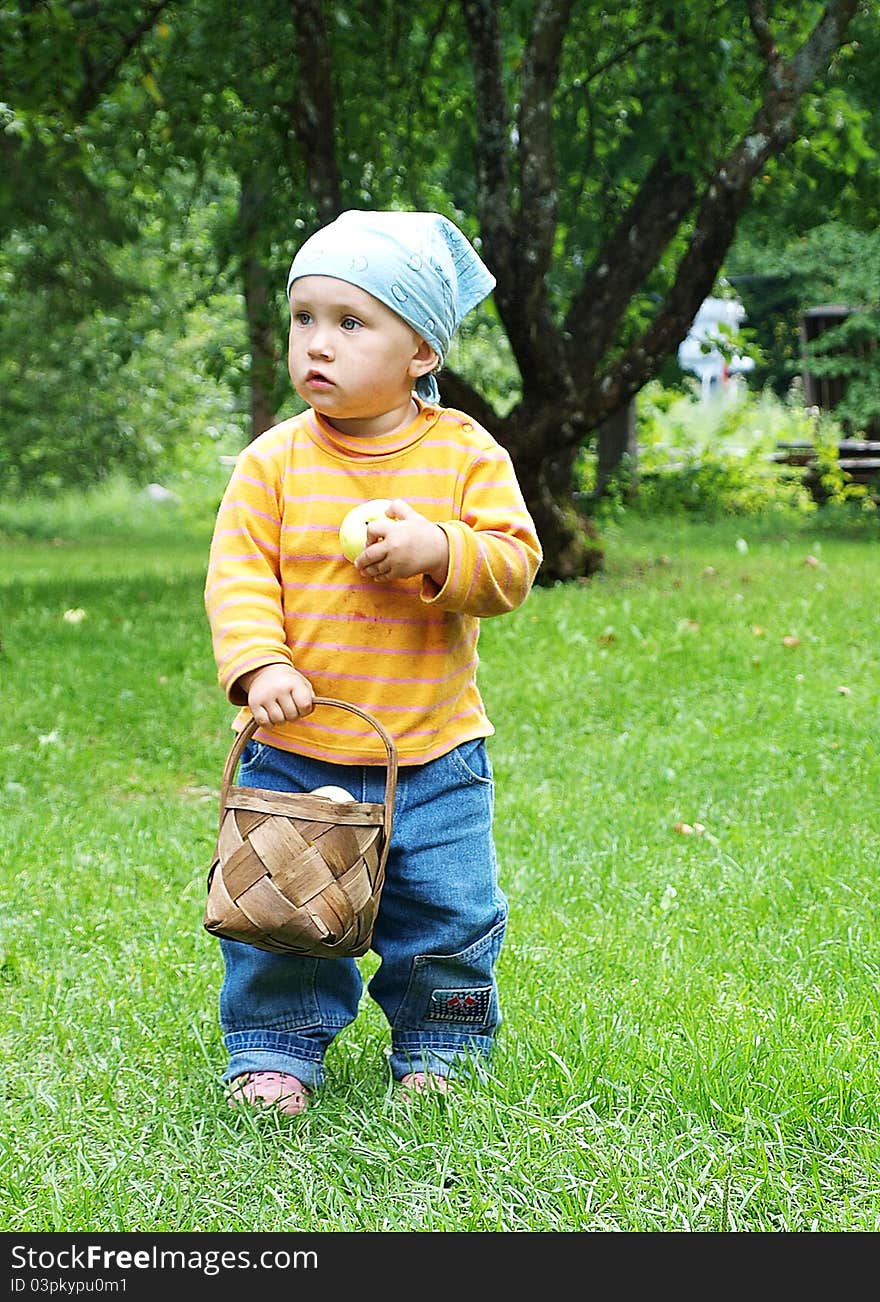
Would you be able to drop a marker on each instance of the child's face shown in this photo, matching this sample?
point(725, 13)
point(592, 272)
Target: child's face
point(349, 356)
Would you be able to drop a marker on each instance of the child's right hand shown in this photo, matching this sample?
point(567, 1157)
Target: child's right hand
point(278, 693)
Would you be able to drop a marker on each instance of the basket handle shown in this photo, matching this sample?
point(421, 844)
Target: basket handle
point(390, 749)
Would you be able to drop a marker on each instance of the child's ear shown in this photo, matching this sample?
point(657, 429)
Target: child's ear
point(424, 360)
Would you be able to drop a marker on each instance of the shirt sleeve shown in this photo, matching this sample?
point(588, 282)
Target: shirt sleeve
point(494, 552)
point(243, 590)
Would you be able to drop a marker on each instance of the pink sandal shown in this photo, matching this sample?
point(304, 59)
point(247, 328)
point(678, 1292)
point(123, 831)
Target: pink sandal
point(270, 1089)
point(423, 1082)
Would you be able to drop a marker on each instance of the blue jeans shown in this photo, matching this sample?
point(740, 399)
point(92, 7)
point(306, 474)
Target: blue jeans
point(438, 934)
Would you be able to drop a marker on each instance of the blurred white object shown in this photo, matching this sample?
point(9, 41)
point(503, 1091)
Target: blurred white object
point(158, 493)
point(698, 352)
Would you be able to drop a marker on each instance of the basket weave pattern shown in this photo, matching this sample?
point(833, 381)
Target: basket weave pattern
point(299, 873)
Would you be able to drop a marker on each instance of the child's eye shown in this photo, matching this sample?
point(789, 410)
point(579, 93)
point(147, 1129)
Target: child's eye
point(303, 318)
point(350, 323)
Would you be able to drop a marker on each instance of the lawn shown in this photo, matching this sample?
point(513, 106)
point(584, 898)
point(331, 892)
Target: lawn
point(687, 774)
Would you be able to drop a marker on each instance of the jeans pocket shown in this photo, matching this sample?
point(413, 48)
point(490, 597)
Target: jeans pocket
point(471, 761)
point(454, 992)
point(254, 754)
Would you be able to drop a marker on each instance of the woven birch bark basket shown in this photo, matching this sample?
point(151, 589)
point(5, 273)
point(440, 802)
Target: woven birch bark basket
point(299, 873)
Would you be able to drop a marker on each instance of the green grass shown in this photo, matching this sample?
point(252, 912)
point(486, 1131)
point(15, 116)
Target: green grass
point(690, 1039)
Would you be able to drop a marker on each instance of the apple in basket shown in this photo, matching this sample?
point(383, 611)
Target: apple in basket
point(353, 530)
point(332, 793)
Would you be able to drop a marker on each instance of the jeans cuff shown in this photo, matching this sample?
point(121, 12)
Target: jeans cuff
point(307, 1068)
point(461, 1058)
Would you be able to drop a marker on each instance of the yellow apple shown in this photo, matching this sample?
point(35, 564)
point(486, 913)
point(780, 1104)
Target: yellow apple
point(332, 793)
point(353, 530)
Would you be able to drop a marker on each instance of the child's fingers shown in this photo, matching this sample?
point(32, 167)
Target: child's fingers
point(399, 509)
point(303, 698)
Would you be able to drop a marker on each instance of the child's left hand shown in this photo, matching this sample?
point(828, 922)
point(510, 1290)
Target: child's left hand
point(413, 545)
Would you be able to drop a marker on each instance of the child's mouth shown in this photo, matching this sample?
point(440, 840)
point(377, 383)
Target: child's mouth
point(317, 380)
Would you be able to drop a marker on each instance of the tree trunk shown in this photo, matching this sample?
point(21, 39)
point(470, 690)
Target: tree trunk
point(543, 445)
point(617, 452)
point(569, 538)
point(261, 326)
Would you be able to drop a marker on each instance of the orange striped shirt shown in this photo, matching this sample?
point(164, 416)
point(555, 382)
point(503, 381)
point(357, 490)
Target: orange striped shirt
point(278, 588)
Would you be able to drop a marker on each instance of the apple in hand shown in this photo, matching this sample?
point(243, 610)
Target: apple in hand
point(353, 530)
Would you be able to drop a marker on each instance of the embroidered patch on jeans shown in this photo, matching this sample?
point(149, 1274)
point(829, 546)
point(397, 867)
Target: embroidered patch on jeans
point(470, 1004)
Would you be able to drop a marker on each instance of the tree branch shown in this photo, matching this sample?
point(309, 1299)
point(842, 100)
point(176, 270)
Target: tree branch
point(493, 131)
point(98, 80)
point(314, 109)
point(771, 130)
point(519, 246)
point(655, 214)
point(536, 223)
point(764, 36)
point(455, 391)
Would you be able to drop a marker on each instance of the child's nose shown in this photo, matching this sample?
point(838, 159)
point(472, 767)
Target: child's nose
point(319, 343)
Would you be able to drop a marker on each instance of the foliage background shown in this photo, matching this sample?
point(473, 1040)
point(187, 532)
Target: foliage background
point(141, 185)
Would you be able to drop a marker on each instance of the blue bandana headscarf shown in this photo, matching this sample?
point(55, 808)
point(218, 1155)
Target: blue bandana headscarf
point(417, 263)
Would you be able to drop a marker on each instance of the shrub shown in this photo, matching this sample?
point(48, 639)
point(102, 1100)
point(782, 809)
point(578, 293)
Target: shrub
point(711, 459)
